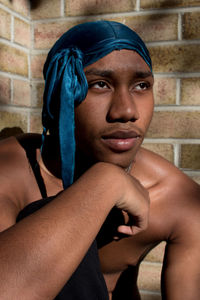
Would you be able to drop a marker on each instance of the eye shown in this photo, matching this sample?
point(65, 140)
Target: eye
point(98, 85)
point(142, 86)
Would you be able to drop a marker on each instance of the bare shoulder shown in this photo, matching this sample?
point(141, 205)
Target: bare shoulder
point(174, 216)
point(153, 168)
point(17, 180)
point(175, 197)
point(11, 157)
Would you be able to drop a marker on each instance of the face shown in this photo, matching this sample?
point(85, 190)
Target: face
point(113, 119)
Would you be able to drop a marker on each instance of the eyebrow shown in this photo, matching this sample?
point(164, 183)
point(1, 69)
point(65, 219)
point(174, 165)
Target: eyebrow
point(109, 73)
point(103, 73)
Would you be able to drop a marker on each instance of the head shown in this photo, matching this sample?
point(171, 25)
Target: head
point(107, 65)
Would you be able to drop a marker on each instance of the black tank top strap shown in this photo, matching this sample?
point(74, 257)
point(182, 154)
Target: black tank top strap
point(31, 155)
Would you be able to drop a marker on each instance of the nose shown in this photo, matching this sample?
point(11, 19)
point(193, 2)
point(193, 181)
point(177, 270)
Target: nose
point(122, 107)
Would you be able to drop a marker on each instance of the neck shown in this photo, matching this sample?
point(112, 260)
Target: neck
point(51, 156)
point(52, 162)
point(82, 164)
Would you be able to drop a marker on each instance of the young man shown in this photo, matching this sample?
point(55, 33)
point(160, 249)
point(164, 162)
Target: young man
point(50, 251)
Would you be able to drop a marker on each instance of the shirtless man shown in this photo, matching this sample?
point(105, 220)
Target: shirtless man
point(36, 256)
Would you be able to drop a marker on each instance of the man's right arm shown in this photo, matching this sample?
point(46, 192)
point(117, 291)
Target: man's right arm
point(58, 235)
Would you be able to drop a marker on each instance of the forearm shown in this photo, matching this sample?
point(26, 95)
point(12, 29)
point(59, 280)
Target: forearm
point(40, 253)
point(181, 276)
point(183, 284)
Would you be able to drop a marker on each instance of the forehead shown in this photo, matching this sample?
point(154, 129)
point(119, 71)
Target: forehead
point(120, 60)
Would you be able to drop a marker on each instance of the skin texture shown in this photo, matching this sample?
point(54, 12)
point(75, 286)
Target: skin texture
point(120, 98)
point(119, 102)
point(51, 238)
point(174, 218)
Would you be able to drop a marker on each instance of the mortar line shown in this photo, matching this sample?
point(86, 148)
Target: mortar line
point(177, 152)
point(180, 27)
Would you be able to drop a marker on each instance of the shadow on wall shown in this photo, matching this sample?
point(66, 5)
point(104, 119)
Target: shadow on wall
point(10, 131)
point(92, 8)
point(181, 57)
point(33, 3)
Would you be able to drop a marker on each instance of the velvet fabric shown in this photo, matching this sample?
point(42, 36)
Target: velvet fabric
point(65, 82)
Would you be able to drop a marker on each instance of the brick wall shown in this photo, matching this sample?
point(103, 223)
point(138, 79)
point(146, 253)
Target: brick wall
point(15, 93)
point(171, 29)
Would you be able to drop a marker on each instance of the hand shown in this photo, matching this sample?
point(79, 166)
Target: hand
point(123, 191)
point(135, 206)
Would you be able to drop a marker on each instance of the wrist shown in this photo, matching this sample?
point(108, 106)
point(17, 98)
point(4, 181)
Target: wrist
point(109, 178)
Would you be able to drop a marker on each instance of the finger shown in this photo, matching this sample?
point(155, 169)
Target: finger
point(128, 230)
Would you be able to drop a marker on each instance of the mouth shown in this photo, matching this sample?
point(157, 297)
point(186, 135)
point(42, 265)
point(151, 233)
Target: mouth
point(121, 141)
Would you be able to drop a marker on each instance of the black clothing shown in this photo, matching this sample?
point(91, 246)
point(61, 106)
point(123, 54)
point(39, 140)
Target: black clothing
point(87, 282)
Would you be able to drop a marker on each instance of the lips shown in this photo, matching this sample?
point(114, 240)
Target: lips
point(120, 141)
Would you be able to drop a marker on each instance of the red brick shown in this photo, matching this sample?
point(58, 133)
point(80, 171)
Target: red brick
point(168, 3)
point(190, 156)
point(22, 32)
point(190, 91)
point(37, 63)
point(157, 27)
point(46, 34)
point(13, 60)
point(35, 123)
point(95, 7)
point(176, 58)
point(150, 296)
point(175, 124)
point(191, 26)
point(13, 119)
point(20, 6)
point(149, 276)
point(157, 254)
point(5, 24)
point(165, 150)
point(21, 93)
point(37, 91)
point(4, 90)
point(165, 91)
point(45, 9)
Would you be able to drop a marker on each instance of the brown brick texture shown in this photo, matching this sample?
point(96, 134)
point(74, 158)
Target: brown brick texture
point(19, 6)
point(171, 29)
point(95, 7)
point(13, 60)
point(5, 24)
point(168, 3)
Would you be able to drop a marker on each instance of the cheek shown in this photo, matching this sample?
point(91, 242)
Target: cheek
point(88, 122)
point(146, 112)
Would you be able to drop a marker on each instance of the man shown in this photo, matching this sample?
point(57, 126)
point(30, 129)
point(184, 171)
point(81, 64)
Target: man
point(43, 255)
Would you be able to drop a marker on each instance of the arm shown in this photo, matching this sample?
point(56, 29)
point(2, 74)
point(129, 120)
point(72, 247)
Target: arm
point(31, 248)
point(181, 268)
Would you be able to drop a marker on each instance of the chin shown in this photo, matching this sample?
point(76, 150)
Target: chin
point(122, 160)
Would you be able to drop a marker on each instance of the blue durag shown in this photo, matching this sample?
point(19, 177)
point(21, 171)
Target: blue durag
point(65, 81)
